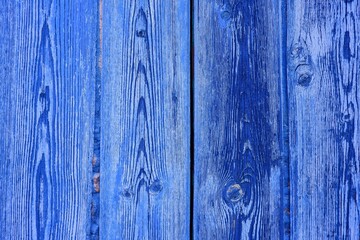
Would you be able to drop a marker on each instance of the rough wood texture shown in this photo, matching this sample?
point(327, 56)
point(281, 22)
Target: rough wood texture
point(145, 129)
point(323, 78)
point(47, 102)
point(239, 191)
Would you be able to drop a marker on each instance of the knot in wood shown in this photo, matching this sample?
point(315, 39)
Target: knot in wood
point(126, 193)
point(305, 79)
point(234, 193)
point(141, 33)
point(301, 61)
point(155, 187)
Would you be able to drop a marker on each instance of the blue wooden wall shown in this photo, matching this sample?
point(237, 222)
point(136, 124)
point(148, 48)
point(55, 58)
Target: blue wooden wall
point(187, 119)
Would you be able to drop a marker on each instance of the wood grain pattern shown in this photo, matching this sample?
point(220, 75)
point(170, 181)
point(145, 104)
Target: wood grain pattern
point(276, 128)
point(323, 79)
point(239, 184)
point(47, 102)
point(145, 120)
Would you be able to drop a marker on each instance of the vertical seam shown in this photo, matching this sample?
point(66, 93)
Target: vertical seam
point(284, 116)
point(192, 130)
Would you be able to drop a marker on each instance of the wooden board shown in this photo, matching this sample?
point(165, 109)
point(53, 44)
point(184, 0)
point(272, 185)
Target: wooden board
point(323, 79)
point(48, 59)
point(145, 130)
point(240, 163)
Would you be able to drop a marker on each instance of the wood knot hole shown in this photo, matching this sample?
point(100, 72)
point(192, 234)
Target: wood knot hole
point(155, 187)
point(305, 79)
point(305, 74)
point(141, 33)
point(297, 51)
point(126, 193)
point(234, 193)
point(225, 15)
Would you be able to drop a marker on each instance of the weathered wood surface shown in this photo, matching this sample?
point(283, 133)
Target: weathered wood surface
point(145, 124)
point(239, 161)
point(323, 79)
point(90, 82)
point(47, 100)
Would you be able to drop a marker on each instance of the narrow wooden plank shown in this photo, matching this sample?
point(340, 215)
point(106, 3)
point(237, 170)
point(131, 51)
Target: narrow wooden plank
point(6, 63)
point(239, 188)
point(145, 120)
point(48, 65)
point(323, 79)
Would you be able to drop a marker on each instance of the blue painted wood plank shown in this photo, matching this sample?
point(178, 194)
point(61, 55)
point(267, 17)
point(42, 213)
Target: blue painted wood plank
point(239, 162)
point(145, 130)
point(48, 63)
point(323, 79)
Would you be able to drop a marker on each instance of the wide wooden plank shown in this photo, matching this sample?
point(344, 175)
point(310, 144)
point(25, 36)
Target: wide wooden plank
point(145, 152)
point(323, 78)
point(240, 163)
point(48, 64)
